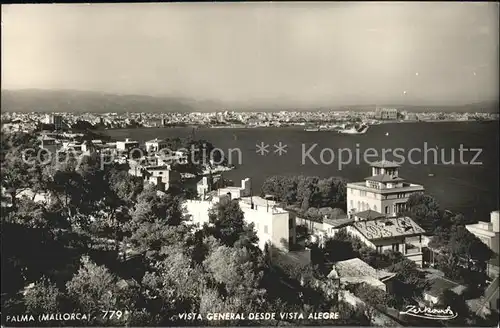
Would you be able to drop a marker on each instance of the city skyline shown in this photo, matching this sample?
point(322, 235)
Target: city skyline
point(287, 54)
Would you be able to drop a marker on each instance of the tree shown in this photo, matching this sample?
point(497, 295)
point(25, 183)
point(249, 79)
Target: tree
point(151, 206)
point(173, 286)
point(69, 184)
point(465, 243)
point(43, 297)
point(337, 249)
point(229, 227)
point(15, 171)
point(233, 268)
point(424, 210)
point(410, 281)
point(374, 298)
point(307, 192)
point(125, 186)
point(459, 306)
point(93, 288)
point(39, 244)
point(440, 239)
point(212, 302)
point(461, 254)
point(148, 238)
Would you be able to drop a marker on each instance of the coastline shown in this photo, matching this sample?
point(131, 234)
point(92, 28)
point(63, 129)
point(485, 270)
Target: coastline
point(216, 170)
point(288, 126)
point(435, 121)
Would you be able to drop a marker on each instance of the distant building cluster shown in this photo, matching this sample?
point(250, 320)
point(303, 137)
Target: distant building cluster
point(56, 120)
point(386, 114)
point(12, 121)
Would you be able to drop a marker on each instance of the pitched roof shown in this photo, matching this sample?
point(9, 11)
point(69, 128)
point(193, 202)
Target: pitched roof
point(357, 268)
point(369, 214)
point(384, 178)
point(388, 227)
point(385, 164)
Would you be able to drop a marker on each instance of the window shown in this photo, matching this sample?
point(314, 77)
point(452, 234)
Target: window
point(379, 249)
point(352, 203)
point(265, 229)
point(387, 210)
point(362, 193)
point(395, 247)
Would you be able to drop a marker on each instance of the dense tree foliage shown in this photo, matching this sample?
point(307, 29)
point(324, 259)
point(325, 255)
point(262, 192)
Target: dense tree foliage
point(424, 210)
point(374, 298)
point(461, 256)
point(306, 192)
point(100, 239)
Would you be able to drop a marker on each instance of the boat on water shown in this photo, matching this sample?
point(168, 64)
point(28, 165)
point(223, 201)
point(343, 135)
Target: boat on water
point(387, 133)
point(355, 130)
point(311, 129)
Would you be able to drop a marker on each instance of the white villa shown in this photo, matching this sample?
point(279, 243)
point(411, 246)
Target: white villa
point(384, 191)
point(273, 224)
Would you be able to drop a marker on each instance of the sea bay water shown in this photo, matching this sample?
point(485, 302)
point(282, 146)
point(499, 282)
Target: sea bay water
point(472, 189)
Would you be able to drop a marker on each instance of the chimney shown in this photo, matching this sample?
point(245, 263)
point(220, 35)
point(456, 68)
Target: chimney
point(495, 220)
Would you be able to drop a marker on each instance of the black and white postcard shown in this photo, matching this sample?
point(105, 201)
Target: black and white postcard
point(250, 164)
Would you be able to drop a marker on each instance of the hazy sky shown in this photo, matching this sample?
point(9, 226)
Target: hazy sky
point(284, 53)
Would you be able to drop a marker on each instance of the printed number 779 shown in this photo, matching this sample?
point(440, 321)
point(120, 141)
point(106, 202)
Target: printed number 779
point(112, 314)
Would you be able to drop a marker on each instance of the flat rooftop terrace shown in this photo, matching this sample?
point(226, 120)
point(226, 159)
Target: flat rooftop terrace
point(406, 187)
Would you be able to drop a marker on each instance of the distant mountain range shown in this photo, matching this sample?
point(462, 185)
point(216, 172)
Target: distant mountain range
point(36, 100)
point(480, 107)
